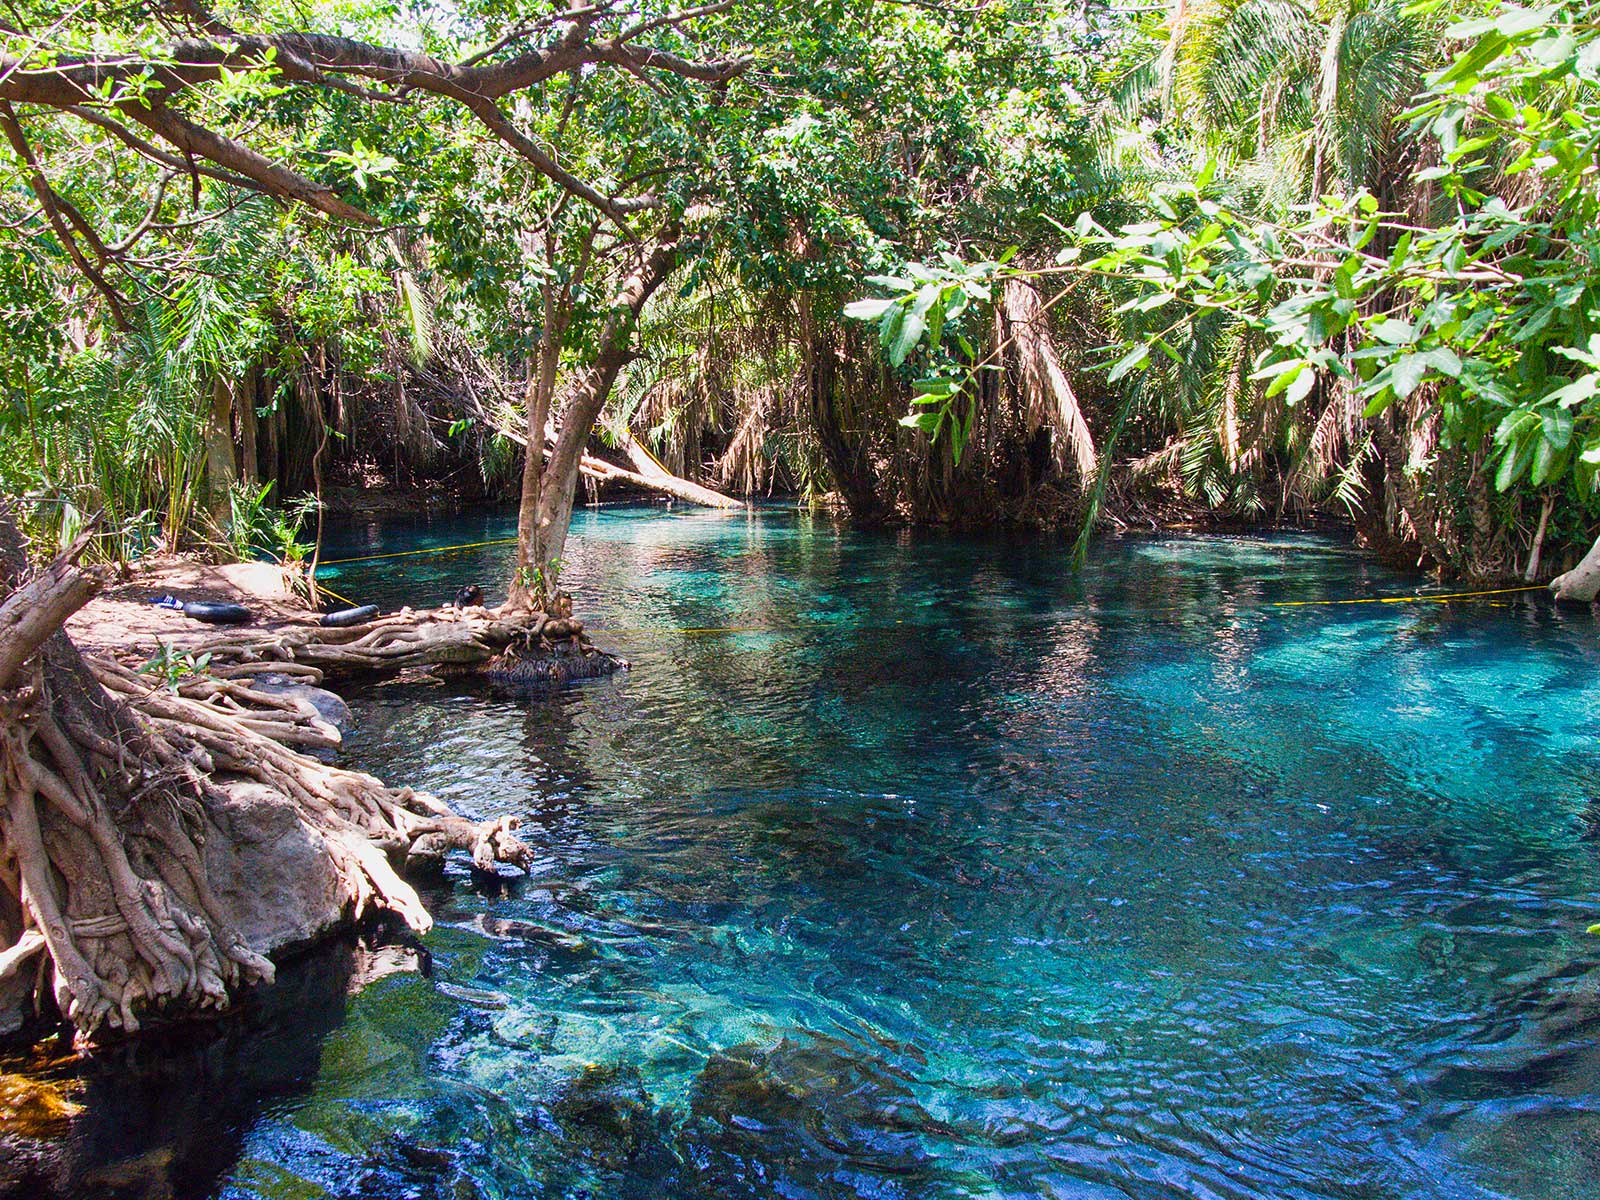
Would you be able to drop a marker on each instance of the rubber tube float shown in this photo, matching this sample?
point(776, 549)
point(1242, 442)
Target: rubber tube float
point(349, 616)
point(212, 612)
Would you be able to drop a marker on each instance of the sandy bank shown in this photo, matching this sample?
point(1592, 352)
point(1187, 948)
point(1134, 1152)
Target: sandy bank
point(122, 621)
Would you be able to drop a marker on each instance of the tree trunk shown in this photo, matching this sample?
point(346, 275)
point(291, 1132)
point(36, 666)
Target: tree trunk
point(1413, 503)
point(221, 474)
point(846, 457)
point(548, 538)
point(245, 414)
point(527, 578)
point(1582, 583)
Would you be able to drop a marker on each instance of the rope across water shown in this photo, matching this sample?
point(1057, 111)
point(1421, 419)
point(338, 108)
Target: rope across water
point(1409, 598)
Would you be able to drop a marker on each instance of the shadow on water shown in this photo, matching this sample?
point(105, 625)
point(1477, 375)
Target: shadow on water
point(165, 1116)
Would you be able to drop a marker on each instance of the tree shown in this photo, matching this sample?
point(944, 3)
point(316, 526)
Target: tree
point(175, 89)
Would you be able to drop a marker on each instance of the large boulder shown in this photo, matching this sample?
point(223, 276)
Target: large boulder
point(272, 873)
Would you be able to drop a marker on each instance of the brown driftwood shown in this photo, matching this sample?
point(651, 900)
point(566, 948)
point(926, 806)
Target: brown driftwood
point(110, 785)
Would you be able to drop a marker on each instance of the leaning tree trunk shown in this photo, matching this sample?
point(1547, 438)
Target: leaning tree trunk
point(1582, 583)
point(111, 788)
point(541, 389)
point(559, 484)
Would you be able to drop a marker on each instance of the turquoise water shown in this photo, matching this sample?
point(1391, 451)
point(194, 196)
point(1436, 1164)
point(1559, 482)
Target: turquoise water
point(912, 866)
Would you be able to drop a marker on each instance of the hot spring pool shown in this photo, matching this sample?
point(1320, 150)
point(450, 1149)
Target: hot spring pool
point(916, 866)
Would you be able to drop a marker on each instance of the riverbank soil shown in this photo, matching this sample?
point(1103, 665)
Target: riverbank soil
point(123, 620)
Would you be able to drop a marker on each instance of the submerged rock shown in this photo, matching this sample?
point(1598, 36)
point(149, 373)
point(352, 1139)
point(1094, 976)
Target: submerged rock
point(606, 1112)
point(820, 1113)
point(562, 663)
point(330, 706)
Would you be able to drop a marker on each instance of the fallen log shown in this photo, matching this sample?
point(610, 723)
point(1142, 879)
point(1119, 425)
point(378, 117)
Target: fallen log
point(651, 476)
point(655, 475)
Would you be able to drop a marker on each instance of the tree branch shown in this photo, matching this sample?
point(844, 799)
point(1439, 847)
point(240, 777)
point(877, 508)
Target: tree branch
point(48, 200)
point(280, 181)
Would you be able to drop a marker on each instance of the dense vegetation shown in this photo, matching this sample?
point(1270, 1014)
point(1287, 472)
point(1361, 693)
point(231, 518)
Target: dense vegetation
point(1237, 260)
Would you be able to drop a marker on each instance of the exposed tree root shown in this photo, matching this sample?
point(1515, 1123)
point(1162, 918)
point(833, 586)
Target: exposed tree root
point(442, 637)
point(110, 785)
point(502, 643)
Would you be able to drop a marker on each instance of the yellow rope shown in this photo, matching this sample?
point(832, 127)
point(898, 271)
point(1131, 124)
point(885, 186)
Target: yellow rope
point(334, 562)
point(1412, 599)
point(1532, 587)
point(1444, 598)
point(322, 587)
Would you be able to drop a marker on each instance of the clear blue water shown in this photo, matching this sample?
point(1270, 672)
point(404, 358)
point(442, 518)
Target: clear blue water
point(915, 866)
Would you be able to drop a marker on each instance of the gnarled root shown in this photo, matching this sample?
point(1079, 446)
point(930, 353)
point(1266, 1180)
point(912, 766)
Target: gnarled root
point(108, 793)
point(441, 637)
point(505, 644)
point(354, 811)
point(118, 901)
point(551, 649)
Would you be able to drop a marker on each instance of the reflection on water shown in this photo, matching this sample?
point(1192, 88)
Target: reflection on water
point(908, 866)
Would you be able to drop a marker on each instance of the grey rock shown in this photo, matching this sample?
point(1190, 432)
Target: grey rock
point(273, 874)
point(329, 705)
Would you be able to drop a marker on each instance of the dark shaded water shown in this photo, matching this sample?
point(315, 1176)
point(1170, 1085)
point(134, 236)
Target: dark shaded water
point(918, 867)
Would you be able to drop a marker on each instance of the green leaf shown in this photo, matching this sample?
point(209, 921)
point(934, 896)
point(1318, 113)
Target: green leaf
point(1406, 373)
point(1130, 361)
point(912, 327)
point(1513, 22)
point(1300, 387)
point(1394, 332)
point(1557, 427)
point(868, 310)
point(1512, 463)
point(1574, 393)
point(1285, 378)
point(1443, 360)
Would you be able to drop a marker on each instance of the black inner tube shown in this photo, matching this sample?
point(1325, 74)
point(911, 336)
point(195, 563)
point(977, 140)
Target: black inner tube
point(350, 616)
point(215, 613)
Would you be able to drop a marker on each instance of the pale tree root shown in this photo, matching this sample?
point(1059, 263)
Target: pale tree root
point(501, 643)
point(110, 786)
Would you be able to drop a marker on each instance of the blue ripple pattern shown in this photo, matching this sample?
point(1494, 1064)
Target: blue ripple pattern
point(942, 871)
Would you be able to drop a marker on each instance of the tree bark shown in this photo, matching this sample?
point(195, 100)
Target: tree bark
point(221, 474)
point(846, 457)
point(526, 577)
point(245, 413)
point(559, 483)
point(1418, 511)
point(1582, 583)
